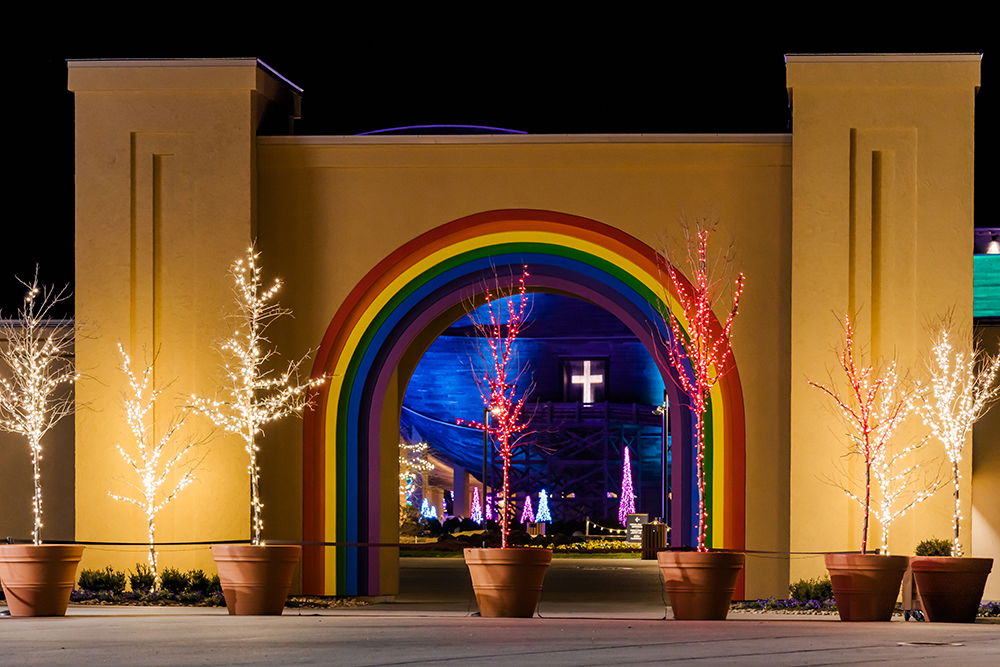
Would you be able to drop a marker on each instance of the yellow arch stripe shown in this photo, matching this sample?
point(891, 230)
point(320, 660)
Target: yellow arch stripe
point(648, 279)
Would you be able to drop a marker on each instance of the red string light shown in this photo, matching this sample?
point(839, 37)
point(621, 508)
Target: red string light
point(497, 381)
point(874, 411)
point(706, 349)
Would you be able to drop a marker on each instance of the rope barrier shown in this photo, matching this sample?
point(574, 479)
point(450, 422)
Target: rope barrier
point(12, 540)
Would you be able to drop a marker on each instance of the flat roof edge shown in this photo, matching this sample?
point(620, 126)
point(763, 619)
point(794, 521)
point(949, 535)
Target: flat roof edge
point(347, 140)
point(881, 57)
point(180, 62)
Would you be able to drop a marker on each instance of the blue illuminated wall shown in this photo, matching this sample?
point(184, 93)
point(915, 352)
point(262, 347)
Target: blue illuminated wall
point(442, 388)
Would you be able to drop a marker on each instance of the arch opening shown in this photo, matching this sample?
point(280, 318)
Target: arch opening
point(372, 345)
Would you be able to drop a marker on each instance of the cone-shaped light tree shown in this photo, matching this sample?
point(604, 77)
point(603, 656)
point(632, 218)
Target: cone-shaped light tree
point(626, 502)
point(254, 394)
point(528, 513)
point(964, 383)
point(500, 378)
point(705, 354)
point(476, 514)
point(543, 513)
point(35, 391)
point(162, 467)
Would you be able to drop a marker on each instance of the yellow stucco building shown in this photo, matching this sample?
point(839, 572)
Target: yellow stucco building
point(866, 207)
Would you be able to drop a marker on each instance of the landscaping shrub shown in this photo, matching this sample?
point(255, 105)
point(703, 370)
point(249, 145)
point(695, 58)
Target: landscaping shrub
point(199, 583)
point(106, 580)
point(431, 527)
point(193, 587)
point(142, 580)
point(933, 547)
point(173, 581)
point(468, 524)
point(598, 546)
point(805, 590)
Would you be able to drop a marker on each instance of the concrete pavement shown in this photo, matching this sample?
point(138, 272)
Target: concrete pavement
point(593, 613)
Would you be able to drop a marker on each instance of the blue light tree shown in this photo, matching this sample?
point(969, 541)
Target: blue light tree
point(543, 513)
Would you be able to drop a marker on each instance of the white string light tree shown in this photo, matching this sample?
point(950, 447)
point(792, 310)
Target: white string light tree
point(254, 394)
point(413, 464)
point(874, 405)
point(964, 383)
point(163, 470)
point(35, 389)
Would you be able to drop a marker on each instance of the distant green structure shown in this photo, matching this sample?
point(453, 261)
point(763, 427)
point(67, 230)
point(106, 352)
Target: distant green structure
point(986, 286)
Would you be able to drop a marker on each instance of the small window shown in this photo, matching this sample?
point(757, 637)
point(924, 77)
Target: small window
point(584, 380)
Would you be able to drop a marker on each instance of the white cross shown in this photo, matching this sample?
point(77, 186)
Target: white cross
point(588, 381)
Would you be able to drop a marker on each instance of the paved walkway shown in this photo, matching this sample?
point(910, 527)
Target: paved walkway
point(593, 613)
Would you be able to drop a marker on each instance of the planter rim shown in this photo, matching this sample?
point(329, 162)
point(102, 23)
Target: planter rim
point(857, 559)
point(701, 559)
point(41, 546)
point(539, 549)
point(256, 552)
point(951, 563)
point(11, 552)
point(510, 555)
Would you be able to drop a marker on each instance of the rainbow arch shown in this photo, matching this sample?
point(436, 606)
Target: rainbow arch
point(402, 299)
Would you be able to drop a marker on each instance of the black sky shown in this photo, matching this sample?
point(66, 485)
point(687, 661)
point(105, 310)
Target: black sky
point(359, 76)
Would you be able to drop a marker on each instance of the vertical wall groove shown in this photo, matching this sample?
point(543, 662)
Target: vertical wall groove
point(877, 184)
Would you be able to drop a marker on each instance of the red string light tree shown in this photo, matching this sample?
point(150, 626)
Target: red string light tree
point(507, 581)
point(700, 584)
point(873, 405)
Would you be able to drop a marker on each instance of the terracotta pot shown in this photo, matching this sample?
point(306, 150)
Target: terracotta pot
point(256, 578)
point(508, 582)
point(37, 579)
point(700, 585)
point(865, 586)
point(950, 588)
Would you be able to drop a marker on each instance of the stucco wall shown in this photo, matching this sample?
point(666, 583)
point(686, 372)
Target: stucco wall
point(985, 462)
point(330, 209)
point(872, 216)
point(881, 228)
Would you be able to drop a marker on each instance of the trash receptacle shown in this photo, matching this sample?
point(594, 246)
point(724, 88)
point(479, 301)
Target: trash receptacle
point(654, 538)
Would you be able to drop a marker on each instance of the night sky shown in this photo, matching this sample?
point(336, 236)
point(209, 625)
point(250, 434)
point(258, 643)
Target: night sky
point(639, 76)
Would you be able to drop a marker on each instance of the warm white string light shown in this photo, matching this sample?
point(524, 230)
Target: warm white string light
point(874, 406)
point(413, 464)
point(148, 459)
point(963, 386)
point(34, 393)
point(254, 395)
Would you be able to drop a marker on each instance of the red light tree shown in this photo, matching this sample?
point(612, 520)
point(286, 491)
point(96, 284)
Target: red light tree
point(498, 377)
point(626, 504)
point(705, 354)
point(873, 407)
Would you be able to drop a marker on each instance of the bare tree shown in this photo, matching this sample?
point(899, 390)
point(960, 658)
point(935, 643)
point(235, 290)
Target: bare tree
point(703, 345)
point(35, 392)
point(163, 469)
point(254, 394)
point(499, 377)
point(874, 404)
point(963, 386)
